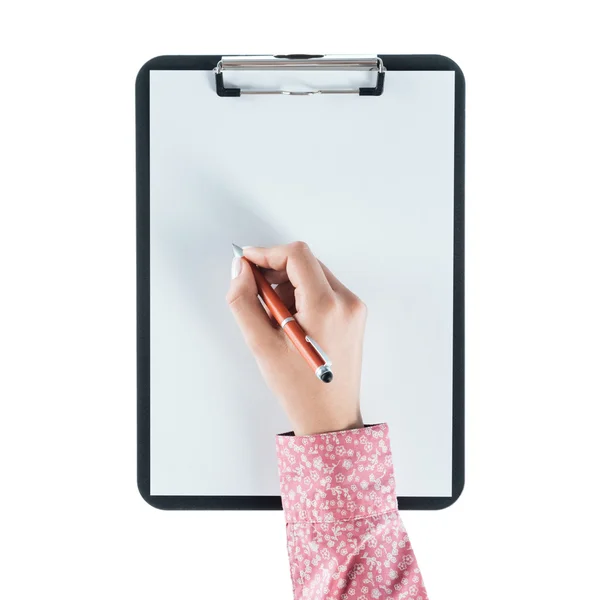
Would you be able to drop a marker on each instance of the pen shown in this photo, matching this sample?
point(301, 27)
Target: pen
point(307, 346)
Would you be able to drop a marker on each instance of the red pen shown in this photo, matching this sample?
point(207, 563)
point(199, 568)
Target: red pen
point(307, 346)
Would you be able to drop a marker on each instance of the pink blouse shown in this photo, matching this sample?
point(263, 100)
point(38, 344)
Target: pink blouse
point(346, 540)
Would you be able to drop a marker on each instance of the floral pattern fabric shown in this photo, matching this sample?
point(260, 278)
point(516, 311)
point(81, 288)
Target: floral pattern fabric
point(345, 538)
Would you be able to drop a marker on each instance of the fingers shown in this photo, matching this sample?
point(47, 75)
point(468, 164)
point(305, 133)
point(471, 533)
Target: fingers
point(303, 269)
point(349, 299)
point(286, 292)
point(278, 277)
point(336, 285)
point(251, 317)
point(275, 276)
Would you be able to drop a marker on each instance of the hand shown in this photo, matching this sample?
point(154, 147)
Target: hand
point(327, 311)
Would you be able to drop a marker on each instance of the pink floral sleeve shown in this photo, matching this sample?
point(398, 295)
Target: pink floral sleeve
point(346, 540)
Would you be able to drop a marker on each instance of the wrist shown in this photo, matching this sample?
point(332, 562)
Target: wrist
point(330, 426)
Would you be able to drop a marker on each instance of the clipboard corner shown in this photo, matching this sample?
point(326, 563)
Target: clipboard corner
point(451, 65)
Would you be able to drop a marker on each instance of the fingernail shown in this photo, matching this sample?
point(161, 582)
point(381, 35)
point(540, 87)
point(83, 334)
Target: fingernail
point(236, 267)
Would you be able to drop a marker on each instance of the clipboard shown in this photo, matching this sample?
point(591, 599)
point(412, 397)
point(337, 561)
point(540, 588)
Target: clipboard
point(227, 147)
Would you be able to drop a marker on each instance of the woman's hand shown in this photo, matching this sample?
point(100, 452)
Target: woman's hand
point(327, 311)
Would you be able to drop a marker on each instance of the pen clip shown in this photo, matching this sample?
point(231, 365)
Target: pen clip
point(319, 350)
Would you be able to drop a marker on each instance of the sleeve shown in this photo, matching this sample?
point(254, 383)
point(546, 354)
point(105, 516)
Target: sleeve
point(345, 538)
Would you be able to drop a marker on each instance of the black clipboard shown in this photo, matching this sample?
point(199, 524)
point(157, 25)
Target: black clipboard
point(273, 502)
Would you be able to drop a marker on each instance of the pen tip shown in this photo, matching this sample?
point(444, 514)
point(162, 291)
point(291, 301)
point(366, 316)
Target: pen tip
point(237, 251)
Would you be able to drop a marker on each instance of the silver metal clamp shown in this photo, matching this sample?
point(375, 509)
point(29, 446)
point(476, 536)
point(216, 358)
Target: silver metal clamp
point(300, 62)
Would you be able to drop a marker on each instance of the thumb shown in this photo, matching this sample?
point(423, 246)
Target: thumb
point(242, 297)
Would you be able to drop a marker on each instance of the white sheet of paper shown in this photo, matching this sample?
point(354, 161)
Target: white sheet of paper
point(368, 183)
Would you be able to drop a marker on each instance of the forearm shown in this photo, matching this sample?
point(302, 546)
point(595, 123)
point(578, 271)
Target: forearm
point(346, 540)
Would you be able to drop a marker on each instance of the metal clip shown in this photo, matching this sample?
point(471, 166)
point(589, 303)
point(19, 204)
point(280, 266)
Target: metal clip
point(302, 62)
point(319, 350)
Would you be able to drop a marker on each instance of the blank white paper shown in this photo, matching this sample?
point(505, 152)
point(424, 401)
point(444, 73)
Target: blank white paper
point(368, 183)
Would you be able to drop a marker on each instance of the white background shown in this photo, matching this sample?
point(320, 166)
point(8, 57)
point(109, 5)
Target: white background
point(72, 523)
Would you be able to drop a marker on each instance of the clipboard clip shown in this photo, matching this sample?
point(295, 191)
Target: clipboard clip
point(300, 62)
